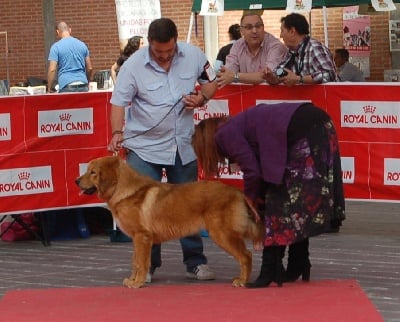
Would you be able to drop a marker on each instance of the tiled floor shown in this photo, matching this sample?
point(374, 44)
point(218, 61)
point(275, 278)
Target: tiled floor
point(367, 249)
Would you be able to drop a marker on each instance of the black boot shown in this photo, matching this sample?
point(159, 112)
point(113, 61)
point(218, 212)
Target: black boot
point(271, 267)
point(298, 262)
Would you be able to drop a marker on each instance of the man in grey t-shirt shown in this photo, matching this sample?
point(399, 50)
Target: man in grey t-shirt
point(347, 72)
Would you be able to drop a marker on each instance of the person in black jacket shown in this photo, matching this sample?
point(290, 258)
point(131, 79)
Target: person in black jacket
point(234, 34)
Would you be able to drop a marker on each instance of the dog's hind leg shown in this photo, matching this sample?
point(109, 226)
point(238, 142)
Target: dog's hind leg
point(140, 260)
point(235, 246)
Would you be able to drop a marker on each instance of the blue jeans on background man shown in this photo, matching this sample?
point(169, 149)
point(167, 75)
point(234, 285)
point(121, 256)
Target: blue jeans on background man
point(75, 89)
point(192, 246)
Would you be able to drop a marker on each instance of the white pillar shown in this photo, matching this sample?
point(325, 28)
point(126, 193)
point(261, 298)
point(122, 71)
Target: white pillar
point(325, 15)
point(211, 38)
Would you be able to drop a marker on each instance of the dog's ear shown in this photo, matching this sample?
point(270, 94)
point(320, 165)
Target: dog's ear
point(108, 174)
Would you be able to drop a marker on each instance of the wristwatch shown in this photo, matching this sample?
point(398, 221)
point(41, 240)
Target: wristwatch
point(301, 80)
point(205, 99)
point(236, 78)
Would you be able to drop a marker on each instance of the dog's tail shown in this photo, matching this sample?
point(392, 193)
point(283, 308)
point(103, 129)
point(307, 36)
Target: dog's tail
point(256, 223)
point(252, 210)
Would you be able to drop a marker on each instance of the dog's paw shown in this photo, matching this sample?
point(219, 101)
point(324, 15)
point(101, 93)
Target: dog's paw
point(237, 282)
point(131, 283)
point(258, 246)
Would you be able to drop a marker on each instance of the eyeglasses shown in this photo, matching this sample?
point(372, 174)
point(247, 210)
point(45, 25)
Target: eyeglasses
point(250, 27)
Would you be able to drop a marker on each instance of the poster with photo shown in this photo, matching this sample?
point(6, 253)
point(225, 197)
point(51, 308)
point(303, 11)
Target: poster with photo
point(383, 5)
point(356, 32)
point(299, 6)
point(212, 8)
point(394, 35)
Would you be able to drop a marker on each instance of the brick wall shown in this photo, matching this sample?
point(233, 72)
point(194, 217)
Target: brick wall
point(22, 20)
point(94, 22)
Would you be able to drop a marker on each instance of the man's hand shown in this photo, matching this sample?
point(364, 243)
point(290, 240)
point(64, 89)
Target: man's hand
point(290, 79)
point(115, 143)
point(225, 77)
point(193, 99)
point(270, 76)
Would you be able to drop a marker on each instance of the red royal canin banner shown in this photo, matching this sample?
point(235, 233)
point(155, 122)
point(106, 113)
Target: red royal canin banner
point(46, 141)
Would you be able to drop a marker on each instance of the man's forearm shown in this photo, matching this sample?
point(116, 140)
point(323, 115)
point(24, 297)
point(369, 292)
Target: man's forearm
point(50, 80)
point(117, 118)
point(208, 90)
point(89, 73)
point(250, 78)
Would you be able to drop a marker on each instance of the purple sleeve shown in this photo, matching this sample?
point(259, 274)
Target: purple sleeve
point(233, 144)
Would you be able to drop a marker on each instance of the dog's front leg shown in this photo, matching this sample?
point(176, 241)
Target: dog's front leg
point(133, 274)
point(140, 260)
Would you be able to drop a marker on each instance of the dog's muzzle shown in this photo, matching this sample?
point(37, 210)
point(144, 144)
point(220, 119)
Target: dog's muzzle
point(86, 191)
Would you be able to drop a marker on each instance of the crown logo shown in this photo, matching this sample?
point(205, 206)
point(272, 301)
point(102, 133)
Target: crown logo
point(202, 108)
point(369, 109)
point(24, 175)
point(65, 117)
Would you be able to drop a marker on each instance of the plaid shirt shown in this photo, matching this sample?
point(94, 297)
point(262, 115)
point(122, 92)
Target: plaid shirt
point(317, 61)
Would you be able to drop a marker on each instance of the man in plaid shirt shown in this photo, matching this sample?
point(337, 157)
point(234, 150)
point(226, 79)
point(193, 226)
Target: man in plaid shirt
point(308, 61)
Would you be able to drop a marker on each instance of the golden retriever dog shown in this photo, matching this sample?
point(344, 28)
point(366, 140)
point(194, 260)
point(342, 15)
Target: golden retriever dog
point(151, 212)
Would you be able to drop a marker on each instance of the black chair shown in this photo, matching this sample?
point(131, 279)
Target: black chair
point(35, 81)
point(4, 87)
point(101, 76)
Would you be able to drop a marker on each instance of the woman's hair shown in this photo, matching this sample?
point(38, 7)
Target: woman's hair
point(132, 45)
point(203, 142)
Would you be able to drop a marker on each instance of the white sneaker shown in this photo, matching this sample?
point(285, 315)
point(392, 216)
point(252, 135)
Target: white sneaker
point(201, 273)
point(148, 277)
point(150, 274)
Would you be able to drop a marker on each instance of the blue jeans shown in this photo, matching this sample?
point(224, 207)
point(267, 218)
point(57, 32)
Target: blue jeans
point(75, 90)
point(192, 246)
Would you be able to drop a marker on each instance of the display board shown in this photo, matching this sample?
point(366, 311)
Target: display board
point(278, 4)
point(47, 140)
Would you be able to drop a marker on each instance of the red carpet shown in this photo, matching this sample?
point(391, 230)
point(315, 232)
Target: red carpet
point(335, 300)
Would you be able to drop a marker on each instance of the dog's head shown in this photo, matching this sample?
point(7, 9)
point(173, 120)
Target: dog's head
point(101, 176)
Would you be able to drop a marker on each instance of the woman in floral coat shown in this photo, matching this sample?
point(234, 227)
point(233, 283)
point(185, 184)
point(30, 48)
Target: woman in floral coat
point(290, 160)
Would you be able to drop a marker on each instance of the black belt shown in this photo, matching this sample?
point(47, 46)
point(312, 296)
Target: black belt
point(76, 86)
